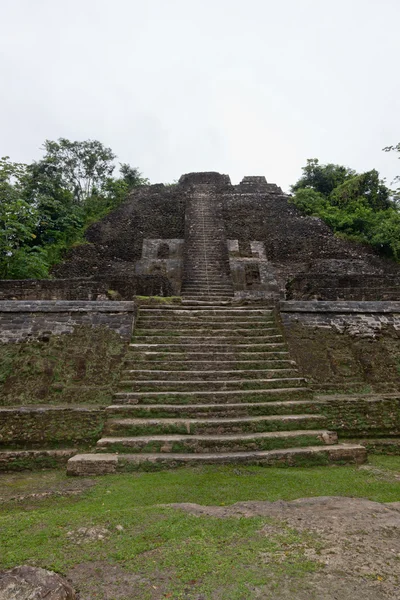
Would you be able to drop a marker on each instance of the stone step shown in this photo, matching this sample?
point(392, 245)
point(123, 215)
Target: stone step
point(205, 287)
point(134, 365)
point(214, 397)
point(15, 460)
point(218, 332)
point(204, 282)
point(170, 319)
point(204, 324)
point(137, 356)
point(207, 291)
point(217, 271)
point(212, 302)
point(100, 464)
point(217, 443)
point(170, 310)
point(203, 375)
point(196, 340)
point(199, 411)
point(212, 425)
point(206, 297)
point(221, 283)
point(211, 285)
point(207, 294)
point(212, 349)
point(211, 385)
point(212, 275)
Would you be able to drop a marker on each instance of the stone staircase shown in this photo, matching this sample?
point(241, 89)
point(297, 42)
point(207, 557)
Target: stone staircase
point(211, 383)
point(207, 273)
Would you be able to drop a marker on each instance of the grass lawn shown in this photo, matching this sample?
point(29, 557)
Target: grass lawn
point(121, 523)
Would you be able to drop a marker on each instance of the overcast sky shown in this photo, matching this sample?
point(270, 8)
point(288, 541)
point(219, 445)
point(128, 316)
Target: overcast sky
point(243, 87)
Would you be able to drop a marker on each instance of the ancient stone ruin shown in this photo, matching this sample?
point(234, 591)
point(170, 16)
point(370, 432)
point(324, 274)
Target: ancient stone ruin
point(226, 327)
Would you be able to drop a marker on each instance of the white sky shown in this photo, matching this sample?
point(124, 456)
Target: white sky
point(243, 87)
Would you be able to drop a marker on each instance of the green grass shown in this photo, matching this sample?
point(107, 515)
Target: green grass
point(198, 556)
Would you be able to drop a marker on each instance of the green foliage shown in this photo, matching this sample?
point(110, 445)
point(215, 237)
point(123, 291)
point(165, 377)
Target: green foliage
point(322, 178)
point(46, 206)
point(358, 206)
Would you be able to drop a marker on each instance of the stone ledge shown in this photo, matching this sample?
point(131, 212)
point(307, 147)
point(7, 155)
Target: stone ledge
point(57, 306)
point(100, 464)
point(317, 306)
point(92, 464)
point(22, 460)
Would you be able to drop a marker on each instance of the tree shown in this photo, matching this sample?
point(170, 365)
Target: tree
point(132, 176)
point(46, 206)
point(396, 180)
point(366, 187)
point(79, 167)
point(358, 206)
point(322, 178)
point(17, 217)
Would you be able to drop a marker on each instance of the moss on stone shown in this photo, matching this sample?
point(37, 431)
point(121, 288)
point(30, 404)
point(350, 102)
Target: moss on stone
point(82, 367)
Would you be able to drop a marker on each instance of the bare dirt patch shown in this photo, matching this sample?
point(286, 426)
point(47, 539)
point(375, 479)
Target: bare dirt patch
point(43, 484)
point(103, 581)
point(356, 543)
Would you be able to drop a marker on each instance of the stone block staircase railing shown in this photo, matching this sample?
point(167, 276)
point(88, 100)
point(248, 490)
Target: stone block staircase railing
point(207, 382)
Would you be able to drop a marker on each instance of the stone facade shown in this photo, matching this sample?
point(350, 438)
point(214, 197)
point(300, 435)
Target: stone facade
point(164, 258)
point(47, 426)
point(366, 319)
point(33, 320)
point(86, 288)
point(252, 275)
point(345, 346)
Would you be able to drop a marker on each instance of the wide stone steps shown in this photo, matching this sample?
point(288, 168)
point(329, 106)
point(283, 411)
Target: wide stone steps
point(192, 326)
point(177, 310)
point(196, 333)
point(220, 340)
point(214, 396)
point(213, 349)
point(217, 443)
point(155, 356)
point(211, 302)
point(212, 384)
point(205, 298)
point(206, 411)
point(203, 375)
point(211, 425)
point(210, 284)
point(136, 366)
point(183, 318)
point(94, 464)
point(198, 327)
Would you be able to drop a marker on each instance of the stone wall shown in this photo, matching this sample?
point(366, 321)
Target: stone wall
point(345, 345)
point(164, 258)
point(115, 243)
point(81, 367)
point(86, 288)
point(33, 320)
point(365, 416)
point(50, 427)
point(347, 286)
point(252, 274)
